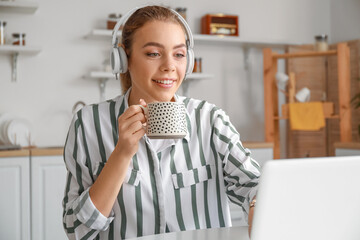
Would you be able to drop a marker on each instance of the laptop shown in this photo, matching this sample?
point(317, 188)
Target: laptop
point(310, 198)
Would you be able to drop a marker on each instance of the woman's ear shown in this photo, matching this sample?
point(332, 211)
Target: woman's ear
point(127, 52)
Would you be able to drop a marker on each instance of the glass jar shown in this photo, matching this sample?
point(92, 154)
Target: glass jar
point(321, 43)
point(2, 32)
point(18, 39)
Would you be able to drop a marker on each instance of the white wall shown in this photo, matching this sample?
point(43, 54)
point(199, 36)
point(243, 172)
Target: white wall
point(51, 82)
point(345, 19)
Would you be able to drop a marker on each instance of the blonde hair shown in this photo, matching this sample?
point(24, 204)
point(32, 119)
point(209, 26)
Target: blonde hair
point(136, 21)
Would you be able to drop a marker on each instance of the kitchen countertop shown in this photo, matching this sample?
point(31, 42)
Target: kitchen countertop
point(14, 153)
point(56, 151)
point(46, 151)
point(347, 145)
point(251, 145)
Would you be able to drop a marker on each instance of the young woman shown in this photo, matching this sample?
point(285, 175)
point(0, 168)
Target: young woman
point(122, 184)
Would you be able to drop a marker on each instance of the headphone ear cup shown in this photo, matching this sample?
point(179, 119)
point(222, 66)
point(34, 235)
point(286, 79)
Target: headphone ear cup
point(190, 62)
point(123, 60)
point(115, 60)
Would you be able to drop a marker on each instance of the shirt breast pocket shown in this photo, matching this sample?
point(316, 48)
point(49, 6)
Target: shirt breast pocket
point(132, 177)
point(193, 176)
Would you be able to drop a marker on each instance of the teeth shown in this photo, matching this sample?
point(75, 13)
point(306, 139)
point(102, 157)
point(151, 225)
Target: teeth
point(164, 81)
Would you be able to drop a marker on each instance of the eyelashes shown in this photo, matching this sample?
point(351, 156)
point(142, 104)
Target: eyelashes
point(156, 54)
point(152, 54)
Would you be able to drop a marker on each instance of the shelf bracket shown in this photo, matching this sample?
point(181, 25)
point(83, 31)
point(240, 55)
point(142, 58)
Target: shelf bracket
point(102, 85)
point(14, 66)
point(246, 58)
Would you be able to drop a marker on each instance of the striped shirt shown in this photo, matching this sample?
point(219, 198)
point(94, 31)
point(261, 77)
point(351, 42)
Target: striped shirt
point(183, 185)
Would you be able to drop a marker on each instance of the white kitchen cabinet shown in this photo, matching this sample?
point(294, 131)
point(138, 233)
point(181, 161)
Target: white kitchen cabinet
point(48, 176)
point(15, 198)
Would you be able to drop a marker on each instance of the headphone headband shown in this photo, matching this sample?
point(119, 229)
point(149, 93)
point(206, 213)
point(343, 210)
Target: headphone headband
point(123, 20)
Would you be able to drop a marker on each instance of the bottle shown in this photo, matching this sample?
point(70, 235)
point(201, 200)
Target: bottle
point(2, 32)
point(195, 65)
point(321, 43)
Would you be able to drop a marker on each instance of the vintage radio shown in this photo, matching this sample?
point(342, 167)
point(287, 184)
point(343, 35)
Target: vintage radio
point(220, 24)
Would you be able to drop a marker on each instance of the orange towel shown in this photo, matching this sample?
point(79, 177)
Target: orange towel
point(307, 116)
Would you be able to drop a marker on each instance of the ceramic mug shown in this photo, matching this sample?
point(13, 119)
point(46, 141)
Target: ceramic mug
point(165, 120)
point(303, 95)
point(281, 80)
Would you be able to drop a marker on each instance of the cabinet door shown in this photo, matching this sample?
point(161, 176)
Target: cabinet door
point(15, 198)
point(48, 176)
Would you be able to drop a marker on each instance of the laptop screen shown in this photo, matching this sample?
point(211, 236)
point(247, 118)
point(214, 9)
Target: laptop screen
point(310, 198)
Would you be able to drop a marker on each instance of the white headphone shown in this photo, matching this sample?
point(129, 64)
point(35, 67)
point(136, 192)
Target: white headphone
point(118, 57)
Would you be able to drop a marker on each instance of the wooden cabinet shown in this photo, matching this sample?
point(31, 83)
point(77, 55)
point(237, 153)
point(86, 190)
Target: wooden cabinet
point(48, 176)
point(15, 198)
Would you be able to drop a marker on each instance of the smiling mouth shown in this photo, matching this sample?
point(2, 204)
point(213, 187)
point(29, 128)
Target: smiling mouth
point(168, 82)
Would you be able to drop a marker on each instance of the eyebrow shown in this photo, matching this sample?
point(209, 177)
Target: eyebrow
point(162, 46)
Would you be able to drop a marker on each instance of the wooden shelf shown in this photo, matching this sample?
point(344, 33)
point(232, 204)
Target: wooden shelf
point(11, 49)
point(18, 6)
point(105, 33)
point(287, 117)
point(305, 54)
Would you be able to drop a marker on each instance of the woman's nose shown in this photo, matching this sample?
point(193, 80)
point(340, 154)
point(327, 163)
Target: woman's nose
point(167, 65)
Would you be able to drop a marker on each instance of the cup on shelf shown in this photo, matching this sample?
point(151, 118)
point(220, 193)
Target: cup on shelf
point(281, 80)
point(303, 95)
point(321, 43)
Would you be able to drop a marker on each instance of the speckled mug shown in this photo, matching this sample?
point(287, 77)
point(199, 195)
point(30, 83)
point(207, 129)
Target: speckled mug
point(165, 120)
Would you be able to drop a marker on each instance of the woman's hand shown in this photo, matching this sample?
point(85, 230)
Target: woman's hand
point(131, 129)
